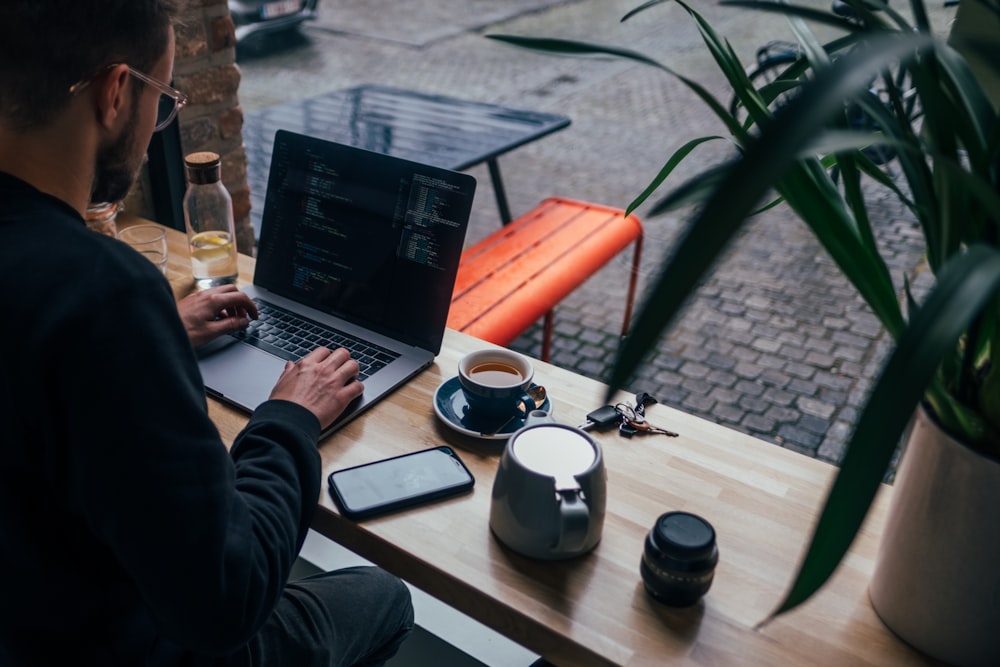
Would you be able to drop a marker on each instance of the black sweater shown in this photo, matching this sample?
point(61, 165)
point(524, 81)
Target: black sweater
point(128, 534)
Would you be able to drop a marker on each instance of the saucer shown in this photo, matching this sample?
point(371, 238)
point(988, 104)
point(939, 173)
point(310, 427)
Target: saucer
point(452, 408)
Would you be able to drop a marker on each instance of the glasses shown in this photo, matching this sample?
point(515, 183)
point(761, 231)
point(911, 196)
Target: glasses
point(170, 102)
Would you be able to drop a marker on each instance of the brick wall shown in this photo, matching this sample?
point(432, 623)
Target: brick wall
point(205, 69)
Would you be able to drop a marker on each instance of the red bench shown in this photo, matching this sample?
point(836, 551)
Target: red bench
point(518, 274)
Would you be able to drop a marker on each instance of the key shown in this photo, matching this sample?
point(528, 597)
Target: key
point(601, 418)
point(645, 427)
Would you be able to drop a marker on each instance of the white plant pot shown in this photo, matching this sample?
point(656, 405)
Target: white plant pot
point(937, 578)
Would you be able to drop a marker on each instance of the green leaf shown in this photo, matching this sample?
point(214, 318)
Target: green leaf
point(767, 161)
point(843, 141)
point(577, 48)
point(970, 98)
point(643, 7)
point(667, 169)
point(692, 191)
point(809, 191)
point(965, 286)
point(851, 176)
point(570, 47)
point(868, 16)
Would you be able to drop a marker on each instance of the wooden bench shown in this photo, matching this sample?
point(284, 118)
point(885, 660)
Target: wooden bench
point(518, 274)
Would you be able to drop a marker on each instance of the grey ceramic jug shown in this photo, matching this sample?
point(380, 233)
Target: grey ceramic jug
point(550, 491)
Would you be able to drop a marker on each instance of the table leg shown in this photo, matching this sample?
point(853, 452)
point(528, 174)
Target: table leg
point(501, 194)
point(633, 281)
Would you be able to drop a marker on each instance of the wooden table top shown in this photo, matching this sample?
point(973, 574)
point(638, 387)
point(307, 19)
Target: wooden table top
point(593, 609)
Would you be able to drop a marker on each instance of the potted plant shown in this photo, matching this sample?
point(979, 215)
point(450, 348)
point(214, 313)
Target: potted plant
point(945, 366)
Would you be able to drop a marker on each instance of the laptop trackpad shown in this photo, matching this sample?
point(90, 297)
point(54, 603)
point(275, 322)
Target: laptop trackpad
point(241, 374)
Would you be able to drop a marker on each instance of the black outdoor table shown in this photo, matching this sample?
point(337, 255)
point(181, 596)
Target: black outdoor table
point(431, 129)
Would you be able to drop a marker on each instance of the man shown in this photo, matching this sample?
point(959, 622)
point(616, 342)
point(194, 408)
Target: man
point(128, 534)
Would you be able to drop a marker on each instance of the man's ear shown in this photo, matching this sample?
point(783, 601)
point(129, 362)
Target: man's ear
point(111, 95)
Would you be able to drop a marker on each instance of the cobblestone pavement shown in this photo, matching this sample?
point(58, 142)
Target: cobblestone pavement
point(775, 343)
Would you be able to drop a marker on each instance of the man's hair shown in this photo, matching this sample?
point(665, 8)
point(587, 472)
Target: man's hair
point(48, 45)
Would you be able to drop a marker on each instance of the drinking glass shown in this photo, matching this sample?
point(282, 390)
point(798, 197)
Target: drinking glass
point(148, 240)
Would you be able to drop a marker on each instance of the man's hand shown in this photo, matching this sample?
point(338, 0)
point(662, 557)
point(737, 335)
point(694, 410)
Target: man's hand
point(211, 313)
point(323, 382)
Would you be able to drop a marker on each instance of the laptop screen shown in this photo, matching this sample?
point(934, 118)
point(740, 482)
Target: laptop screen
point(364, 236)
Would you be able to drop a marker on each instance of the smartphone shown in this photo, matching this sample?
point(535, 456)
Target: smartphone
point(402, 481)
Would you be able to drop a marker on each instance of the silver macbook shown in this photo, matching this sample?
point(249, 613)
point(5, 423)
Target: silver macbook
point(358, 250)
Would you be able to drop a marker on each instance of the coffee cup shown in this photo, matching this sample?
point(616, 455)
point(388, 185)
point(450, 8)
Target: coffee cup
point(494, 381)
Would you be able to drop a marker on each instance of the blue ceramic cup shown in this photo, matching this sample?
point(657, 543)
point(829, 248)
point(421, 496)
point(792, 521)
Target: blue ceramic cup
point(494, 381)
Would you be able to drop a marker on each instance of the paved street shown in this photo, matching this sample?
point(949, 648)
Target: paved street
point(776, 343)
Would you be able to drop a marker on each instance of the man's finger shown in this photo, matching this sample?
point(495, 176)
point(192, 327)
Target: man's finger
point(238, 302)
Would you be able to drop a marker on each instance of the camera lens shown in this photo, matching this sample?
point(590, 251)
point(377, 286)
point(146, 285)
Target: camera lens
point(678, 559)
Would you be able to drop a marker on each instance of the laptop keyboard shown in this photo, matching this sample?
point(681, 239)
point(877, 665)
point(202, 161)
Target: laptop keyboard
point(291, 337)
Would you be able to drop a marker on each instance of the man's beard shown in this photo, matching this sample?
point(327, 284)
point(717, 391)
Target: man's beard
point(114, 171)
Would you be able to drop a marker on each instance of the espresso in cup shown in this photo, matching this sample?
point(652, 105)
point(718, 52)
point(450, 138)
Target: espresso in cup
point(494, 380)
point(495, 374)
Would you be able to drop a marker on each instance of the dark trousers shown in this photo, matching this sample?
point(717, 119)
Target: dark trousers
point(353, 616)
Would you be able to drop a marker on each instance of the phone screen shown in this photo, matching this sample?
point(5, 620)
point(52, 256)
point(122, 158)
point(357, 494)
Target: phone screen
point(402, 481)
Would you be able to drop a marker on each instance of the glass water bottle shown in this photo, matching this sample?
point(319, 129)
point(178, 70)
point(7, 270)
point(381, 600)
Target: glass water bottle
point(208, 215)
